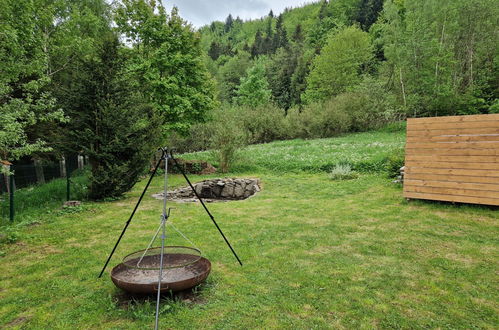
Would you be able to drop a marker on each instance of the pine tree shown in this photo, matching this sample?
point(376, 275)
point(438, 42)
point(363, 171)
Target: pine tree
point(323, 11)
point(298, 36)
point(369, 11)
point(112, 122)
point(280, 37)
point(229, 23)
point(215, 50)
point(258, 45)
point(280, 72)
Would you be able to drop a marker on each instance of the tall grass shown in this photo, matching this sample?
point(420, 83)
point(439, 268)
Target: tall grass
point(30, 201)
point(363, 152)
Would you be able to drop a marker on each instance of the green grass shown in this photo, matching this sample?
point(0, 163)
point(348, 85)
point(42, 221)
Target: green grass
point(364, 152)
point(317, 253)
point(29, 202)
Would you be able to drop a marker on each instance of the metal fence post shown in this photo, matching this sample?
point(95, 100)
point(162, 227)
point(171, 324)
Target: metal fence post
point(68, 184)
point(11, 196)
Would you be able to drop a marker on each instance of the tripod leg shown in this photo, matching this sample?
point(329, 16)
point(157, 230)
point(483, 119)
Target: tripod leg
point(205, 208)
point(131, 216)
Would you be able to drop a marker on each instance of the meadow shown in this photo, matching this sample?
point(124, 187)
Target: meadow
point(365, 152)
point(317, 253)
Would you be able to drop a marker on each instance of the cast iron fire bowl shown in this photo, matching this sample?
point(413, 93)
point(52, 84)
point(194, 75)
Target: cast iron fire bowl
point(144, 279)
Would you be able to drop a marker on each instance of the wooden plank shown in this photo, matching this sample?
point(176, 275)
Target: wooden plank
point(453, 192)
point(450, 119)
point(453, 185)
point(452, 198)
point(452, 145)
point(451, 178)
point(451, 152)
point(484, 173)
point(439, 124)
point(454, 159)
point(446, 164)
point(458, 131)
point(453, 138)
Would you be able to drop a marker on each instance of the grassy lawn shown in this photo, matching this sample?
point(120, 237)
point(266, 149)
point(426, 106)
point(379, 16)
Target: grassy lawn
point(316, 253)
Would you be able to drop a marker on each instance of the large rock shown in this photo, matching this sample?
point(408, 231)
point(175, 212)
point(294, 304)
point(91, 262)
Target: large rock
point(228, 190)
point(238, 191)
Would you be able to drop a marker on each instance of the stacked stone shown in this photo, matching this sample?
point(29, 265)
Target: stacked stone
point(227, 188)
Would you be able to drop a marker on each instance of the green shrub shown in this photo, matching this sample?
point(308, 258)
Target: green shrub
point(494, 108)
point(300, 123)
point(228, 136)
point(265, 123)
point(342, 172)
point(198, 139)
point(317, 120)
point(394, 162)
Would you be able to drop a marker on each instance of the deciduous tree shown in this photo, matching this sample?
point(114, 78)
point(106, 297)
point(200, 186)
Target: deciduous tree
point(340, 64)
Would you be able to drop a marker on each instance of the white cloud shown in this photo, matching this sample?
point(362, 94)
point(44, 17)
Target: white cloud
point(201, 12)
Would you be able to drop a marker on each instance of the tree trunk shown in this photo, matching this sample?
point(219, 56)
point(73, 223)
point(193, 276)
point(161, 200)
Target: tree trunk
point(402, 86)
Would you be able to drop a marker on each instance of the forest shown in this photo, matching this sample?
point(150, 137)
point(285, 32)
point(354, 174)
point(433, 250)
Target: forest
point(114, 81)
point(352, 65)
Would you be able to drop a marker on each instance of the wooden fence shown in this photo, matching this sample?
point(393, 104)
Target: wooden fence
point(453, 159)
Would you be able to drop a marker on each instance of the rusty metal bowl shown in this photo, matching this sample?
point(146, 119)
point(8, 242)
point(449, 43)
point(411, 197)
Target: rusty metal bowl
point(145, 278)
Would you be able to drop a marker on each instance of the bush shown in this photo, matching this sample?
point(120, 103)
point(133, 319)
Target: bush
point(494, 108)
point(198, 139)
point(394, 162)
point(228, 135)
point(317, 120)
point(367, 106)
point(264, 123)
point(343, 172)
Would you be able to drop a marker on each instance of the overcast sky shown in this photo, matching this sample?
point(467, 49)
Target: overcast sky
point(201, 12)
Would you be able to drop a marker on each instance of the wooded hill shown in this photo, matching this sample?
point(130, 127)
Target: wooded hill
point(427, 57)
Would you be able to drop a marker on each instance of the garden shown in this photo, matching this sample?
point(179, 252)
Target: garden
point(297, 129)
point(317, 252)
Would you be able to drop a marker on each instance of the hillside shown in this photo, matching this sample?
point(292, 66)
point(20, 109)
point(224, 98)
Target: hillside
point(243, 32)
point(324, 49)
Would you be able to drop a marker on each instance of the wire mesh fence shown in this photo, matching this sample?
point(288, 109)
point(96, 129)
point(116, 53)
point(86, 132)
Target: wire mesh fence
point(34, 184)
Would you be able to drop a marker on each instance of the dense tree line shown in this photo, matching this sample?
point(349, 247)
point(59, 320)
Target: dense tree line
point(108, 81)
point(433, 57)
point(116, 81)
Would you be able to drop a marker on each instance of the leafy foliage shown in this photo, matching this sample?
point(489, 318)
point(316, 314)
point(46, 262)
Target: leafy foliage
point(394, 162)
point(346, 55)
point(447, 66)
point(227, 137)
point(25, 99)
point(254, 88)
point(167, 62)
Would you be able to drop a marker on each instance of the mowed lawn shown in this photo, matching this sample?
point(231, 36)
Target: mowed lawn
point(317, 254)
